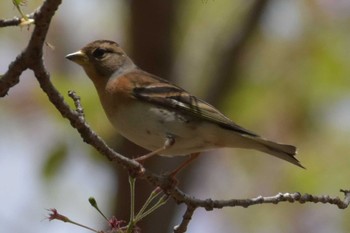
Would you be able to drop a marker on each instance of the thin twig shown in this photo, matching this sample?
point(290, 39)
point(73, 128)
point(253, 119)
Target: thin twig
point(10, 22)
point(186, 218)
point(16, 21)
point(79, 109)
point(210, 204)
point(32, 58)
point(32, 54)
point(88, 135)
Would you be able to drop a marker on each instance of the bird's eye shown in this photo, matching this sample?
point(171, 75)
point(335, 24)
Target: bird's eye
point(99, 53)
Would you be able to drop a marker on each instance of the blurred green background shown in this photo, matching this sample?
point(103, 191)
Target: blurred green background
point(285, 76)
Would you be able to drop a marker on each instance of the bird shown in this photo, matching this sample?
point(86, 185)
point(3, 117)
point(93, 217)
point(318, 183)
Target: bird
point(160, 116)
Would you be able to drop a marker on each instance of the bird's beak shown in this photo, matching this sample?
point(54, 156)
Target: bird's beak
point(78, 57)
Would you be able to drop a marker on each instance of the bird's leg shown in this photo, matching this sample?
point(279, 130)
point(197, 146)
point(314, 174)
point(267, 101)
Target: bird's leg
point(168, 143)
point(184, 164)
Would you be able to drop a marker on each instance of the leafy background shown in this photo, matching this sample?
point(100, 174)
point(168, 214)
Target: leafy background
point(292, 86)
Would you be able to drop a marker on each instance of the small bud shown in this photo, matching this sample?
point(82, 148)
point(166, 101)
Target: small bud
point(93, 202)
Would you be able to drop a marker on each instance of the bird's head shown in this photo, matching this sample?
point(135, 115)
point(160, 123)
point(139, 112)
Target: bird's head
point(101, 59)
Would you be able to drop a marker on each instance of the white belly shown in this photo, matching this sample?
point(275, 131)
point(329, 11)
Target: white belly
point(148, 127)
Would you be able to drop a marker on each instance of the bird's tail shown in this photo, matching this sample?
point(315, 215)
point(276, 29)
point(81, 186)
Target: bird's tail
point(282, 151)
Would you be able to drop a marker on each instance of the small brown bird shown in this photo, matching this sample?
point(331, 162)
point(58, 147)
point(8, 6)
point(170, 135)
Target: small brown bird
point(160, 116)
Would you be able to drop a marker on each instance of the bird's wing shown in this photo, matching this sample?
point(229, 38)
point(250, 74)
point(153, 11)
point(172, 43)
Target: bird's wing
point(162, 93)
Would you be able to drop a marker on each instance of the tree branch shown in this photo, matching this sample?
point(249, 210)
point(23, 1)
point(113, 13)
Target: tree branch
point(32, 54)
point(79, 108)
point(210, 204)
point(74, 117)
point(11, 77)
point(31, 58)
point(16, 21)
point(10, 22)
point(186, 218)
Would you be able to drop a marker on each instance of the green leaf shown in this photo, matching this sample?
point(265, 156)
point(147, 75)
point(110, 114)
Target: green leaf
point(18, 4)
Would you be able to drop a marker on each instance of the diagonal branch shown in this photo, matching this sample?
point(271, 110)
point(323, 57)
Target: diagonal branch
point(186, 218)
point(32, 58)
point(75, 119)
point(32, 54)
point(11, 77)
